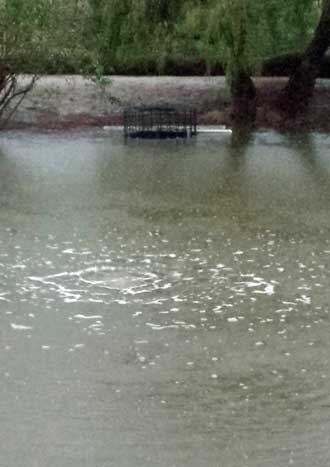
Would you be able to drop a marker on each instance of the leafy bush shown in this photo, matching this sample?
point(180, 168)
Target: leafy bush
point(150, 36)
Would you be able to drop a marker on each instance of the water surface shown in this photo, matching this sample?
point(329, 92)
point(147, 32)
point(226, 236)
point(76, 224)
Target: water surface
point(164, 303)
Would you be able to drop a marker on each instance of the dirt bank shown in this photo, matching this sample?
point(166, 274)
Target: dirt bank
point(74, 101)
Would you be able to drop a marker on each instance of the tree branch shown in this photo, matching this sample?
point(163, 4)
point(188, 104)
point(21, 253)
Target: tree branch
point(10, 93)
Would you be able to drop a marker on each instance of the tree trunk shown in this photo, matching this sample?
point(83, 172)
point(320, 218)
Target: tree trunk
point(243, 95)
point(296, 95)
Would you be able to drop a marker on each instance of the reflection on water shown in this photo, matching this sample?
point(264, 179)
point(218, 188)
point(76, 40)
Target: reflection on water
point(164, 303)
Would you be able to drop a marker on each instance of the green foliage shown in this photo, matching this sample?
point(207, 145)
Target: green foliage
point(249, 31)
point(44, 36)
point(127, 36)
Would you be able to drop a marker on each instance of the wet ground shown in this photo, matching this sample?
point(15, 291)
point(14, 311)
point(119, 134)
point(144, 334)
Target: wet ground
point(164, 303)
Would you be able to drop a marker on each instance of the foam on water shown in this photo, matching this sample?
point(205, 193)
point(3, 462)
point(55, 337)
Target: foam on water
point(189, 289)
point(20, 327)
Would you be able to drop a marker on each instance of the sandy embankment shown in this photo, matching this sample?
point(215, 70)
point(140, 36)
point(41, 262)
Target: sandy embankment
point(69, 101)
point(75, 101)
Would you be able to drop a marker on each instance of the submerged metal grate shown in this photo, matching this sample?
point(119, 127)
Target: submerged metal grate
point(160, 122)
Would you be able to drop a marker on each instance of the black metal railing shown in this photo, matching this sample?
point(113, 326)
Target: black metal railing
point(159, 122)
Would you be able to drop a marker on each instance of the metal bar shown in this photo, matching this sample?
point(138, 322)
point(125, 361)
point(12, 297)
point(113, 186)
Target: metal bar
point(161, 122)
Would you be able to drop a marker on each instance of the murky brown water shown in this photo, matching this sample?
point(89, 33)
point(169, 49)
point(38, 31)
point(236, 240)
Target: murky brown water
point(164, 303)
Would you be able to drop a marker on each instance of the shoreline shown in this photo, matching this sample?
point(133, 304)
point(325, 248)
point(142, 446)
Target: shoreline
point(74, 101)
point(69, 102)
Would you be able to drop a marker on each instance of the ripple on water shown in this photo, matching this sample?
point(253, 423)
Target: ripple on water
point(191, 287)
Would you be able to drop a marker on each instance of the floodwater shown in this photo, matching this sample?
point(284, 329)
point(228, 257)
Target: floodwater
point(164, 303)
